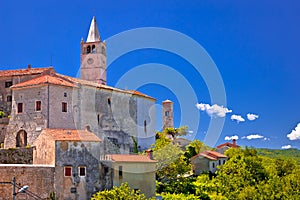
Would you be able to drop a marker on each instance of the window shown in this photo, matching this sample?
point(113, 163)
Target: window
point(219, 162)
point(64, 107)
point(81, 171)
point(213, 165)
point(167, 113)
point(145, 126)
point(98, 118)
point(223, 162)
point(93, 49)
point(65, 94)
point(8, 84)
point(88, 49)
point(9, 98)
point(68, 171)
point(108, 101)
point(38, 106)
point(20, 108)
point(120, 172)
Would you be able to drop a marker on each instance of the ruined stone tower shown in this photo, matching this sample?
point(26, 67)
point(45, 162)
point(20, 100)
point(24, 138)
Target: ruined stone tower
point(168, 116)
point(93, 56)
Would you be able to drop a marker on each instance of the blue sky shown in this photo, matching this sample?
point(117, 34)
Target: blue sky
point(254, 44)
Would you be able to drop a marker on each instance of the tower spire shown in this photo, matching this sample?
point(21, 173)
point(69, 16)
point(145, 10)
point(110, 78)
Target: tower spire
point(93, 35)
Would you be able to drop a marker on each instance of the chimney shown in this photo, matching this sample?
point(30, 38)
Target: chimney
point(234, 141)
point(149, 154)
point(29, 66)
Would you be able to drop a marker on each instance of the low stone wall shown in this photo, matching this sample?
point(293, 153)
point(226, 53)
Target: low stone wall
point(39, 178)
point(16, 156)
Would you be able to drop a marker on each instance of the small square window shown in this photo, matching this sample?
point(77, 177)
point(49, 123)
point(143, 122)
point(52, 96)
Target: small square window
point(38, 106)
point(81, 171)
point(9, 98)
point(68, 171)
point(64, 107)
point(20, 108)
point(167, 113)
point(8, 84)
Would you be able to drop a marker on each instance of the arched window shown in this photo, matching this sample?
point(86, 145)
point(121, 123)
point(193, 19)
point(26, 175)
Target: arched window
point(88, 49)
point(21, 139)
point(93, 49)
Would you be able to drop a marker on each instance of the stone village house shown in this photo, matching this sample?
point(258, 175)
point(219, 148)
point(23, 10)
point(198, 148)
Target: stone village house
point(72, 122)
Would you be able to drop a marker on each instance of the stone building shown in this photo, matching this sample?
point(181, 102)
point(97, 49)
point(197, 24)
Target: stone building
point(75, 155)
point(167, 113)
point(121, 118)
point(207, 161)
point(9, 78)
point(71, 123)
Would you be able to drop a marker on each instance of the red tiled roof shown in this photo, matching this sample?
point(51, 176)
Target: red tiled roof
point(43, 80)
point(212, 155)
point(130, 158)
point(101, 86)
point(228, 144)
point(71, 135)
point(28, 71)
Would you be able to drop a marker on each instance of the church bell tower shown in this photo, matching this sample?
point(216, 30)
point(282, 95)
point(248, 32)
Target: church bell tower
point(93, 56)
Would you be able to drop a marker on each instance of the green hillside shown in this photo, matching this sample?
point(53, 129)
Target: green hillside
point(281, 153)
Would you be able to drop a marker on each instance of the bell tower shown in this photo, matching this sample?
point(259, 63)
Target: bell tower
point(93, 56)
point(168, 116)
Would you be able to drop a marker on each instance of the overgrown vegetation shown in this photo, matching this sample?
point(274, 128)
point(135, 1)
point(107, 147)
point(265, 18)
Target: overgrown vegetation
point(122, 193)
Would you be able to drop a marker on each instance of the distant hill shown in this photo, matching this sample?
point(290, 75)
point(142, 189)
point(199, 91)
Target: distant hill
point(281, 153)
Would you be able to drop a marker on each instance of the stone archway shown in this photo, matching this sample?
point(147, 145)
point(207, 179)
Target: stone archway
point(21, 139)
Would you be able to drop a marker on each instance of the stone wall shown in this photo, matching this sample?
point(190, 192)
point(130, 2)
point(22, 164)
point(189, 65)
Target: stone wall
point(40, 180)
point(16, 156)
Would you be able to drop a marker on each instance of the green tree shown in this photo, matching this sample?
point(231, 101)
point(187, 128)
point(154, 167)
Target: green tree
point(169, 196)
point(122, 193)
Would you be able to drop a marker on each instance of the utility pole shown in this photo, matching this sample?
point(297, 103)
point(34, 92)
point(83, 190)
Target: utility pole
point(14, 188)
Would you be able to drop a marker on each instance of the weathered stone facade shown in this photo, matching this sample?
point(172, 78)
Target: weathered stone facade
point(39, 178)
point(74, 149)
point(16, 156)
point(9, 78)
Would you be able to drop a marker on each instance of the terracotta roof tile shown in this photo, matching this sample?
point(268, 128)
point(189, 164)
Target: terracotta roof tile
point(71, 135)
point(212, 155)
point(101, 86)
point(228, 144)
point(28, 71)
point(130, 158)
point(44, 79)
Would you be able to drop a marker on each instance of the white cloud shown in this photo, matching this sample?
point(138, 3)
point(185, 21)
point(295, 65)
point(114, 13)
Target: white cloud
point(254, 136)
point(286, 146)
point(214, 110)
point(295, 134)
point(231, 137)
point(238, 118)
point(252, 117)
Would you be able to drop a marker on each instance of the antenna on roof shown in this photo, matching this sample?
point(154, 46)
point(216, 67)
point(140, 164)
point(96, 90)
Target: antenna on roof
point(51, 60)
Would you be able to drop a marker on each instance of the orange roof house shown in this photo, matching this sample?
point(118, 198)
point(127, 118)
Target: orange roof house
point(223, 147)
point(207, 161)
